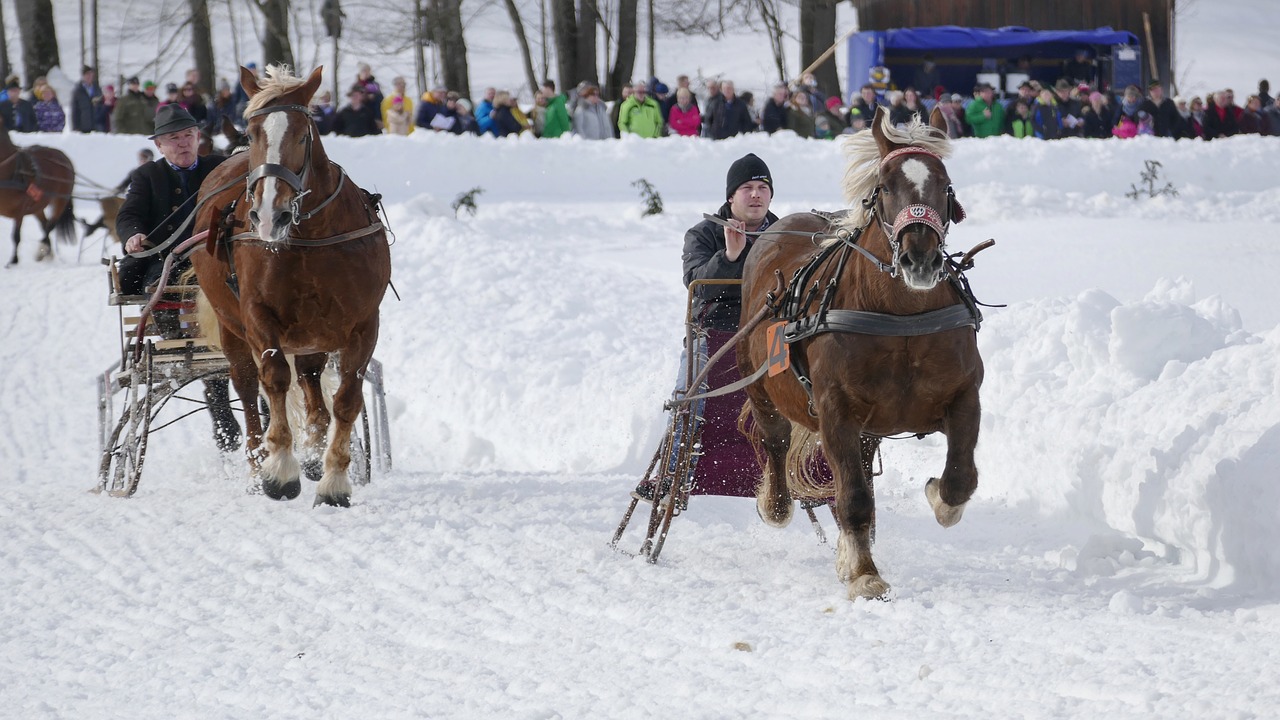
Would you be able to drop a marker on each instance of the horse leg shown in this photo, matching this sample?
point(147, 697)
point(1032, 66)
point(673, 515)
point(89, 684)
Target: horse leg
point(46, 245)
point(335, 486)
point(854, 510)
point(310, 368)
point(244, 376)
point(17, 240)
point(280, 470)
point(773, 497)
point(948, 495)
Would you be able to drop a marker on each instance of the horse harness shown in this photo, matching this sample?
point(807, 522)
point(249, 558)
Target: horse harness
point(227, 236)
point(792, 306)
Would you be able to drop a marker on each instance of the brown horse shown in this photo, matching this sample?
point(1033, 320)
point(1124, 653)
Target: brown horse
point(32, 180)
point(305, 281)
point(863, 381)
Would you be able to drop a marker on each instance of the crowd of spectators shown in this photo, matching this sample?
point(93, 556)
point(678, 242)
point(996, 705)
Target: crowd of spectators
point(1073, 106)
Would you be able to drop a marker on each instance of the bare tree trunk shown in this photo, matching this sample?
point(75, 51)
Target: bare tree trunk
point(588, 21)
point(817, 33)
point(276, 47)
point(565, 24)
point(419, 47)
point(5, 67)
point(653, 63)
point(235, 36)
point(518, 25)
point(449, 40)
point(769, 15)
point(39, 41)
point(93, 22)
point(202, 43)
point(625, 62)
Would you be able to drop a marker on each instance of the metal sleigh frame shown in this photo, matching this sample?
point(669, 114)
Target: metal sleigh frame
point(164, 366)
point(670, 472)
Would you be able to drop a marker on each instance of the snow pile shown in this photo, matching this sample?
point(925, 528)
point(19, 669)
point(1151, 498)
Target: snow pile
point(1154, 418)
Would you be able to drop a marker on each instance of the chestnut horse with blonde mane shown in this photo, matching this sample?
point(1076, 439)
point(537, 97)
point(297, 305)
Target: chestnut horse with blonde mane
point(894, 366)
point(305, 280)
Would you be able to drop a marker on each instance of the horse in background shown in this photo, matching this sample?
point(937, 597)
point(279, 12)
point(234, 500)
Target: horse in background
point(37, 181)
point(305, 280)
point(861, 382)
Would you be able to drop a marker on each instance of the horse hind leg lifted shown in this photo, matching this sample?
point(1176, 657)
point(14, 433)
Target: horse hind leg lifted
point(770, 434)
point(315, 419)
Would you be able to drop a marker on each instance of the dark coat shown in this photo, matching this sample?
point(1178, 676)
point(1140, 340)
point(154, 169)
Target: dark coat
point(155, 192)
point(775, 116)
point(1166, 120)
point(19, 116)
point(1047, 121)
point(504, 123)
point(731, 118)
point(84, 108)
point(357, 123)
point(1220, 122)
point(717, 306)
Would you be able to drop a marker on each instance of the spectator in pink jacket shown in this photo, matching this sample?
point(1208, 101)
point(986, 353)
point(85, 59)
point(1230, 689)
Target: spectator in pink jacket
point(685, 119)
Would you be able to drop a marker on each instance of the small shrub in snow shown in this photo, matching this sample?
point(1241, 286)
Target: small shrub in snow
point(467, 200)
point(1150, 177)
point(649, 193)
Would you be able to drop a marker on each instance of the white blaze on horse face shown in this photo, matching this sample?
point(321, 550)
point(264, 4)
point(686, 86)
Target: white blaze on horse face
point(918, 173)
point(274, 127)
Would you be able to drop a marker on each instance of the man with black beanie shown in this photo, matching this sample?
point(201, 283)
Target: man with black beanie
point(712, 251)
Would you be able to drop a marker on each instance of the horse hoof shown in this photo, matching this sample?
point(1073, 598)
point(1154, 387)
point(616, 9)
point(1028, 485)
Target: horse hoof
point(774, 514)
point(313, 469)
point(868, 586)
point(332, 501)
point(277, 490)
point(947, 515)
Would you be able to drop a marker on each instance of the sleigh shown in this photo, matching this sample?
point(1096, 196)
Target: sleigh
point(163, 351)
point(703, 450)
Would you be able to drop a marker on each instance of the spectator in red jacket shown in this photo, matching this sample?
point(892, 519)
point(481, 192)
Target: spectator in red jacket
point(685, 119)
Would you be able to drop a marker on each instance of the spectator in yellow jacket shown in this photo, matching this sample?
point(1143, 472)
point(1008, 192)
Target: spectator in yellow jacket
point(397, 92)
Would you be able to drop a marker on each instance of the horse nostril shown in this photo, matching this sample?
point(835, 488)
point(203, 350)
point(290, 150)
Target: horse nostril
point(906, 261)
point(283, 218)
point(253, 216)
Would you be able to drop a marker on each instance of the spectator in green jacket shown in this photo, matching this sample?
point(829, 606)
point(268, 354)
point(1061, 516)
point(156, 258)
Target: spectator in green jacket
point(984, 114)
point(135, 110)
point(557, 122)
point(640, 114)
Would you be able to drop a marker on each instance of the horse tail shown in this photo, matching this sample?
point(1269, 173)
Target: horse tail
point(803, 478)
point(64, 228)
point(747, 426)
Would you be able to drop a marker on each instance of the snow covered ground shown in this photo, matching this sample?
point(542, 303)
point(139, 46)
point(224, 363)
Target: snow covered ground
point(1117, 560)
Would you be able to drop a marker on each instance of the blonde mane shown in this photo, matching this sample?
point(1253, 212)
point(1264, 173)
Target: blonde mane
point(862, 174)
point(276, 81)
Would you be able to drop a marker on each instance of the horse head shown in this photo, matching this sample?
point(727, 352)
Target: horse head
point(913, 200)
point(281, 137)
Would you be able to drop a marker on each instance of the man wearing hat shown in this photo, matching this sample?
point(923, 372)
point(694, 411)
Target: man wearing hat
point(17, 112)
point(135, 112)
point(713, 251)
point(1167, 120)
point(161, 196)
point(984, 114)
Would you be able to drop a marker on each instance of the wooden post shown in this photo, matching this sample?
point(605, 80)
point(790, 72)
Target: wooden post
point(1151, 48)
point(823, 57)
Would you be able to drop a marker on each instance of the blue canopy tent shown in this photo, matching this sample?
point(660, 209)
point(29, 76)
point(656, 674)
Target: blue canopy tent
point(961, 53)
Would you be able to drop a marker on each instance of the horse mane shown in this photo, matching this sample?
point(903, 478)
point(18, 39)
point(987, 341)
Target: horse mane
point(862, 173)
point(277, 81)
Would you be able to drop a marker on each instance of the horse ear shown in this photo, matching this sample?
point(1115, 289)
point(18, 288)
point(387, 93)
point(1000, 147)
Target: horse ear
point(312, 84)
point(877, 131)
point(937, 120)
point(249, 81)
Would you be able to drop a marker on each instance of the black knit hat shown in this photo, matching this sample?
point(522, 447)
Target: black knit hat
point(744, 170)
point(172, 118)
